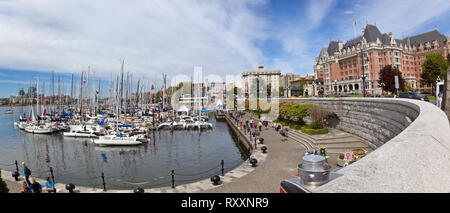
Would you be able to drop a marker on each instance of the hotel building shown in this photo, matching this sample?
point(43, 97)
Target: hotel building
point(341, 66)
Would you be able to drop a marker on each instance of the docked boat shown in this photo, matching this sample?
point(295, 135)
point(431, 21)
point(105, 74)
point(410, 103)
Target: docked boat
point(38, 129)
point(117, 140)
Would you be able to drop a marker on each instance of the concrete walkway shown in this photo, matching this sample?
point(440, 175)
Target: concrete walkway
point(280, 164)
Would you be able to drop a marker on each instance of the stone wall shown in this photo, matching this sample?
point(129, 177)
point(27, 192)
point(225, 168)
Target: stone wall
point(412, 158)
point(375, 120)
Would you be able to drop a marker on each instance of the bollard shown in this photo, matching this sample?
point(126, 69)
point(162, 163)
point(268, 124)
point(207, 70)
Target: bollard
point(70, 187)
point(138, 190)
point(103, 180)
point(253, 161)
point(264, 149)
point(172, 173)
point(16, 175)
point(215, 180)
point(51, 172)
point(255, 143)
point(222, 163)
point(17, 167)
point(261, 140)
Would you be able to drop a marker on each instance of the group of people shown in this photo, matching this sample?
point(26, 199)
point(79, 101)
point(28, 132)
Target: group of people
point(34, 186)
point(282, 130)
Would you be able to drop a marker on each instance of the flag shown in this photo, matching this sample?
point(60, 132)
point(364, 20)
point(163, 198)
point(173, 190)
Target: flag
point(153, 87)
point(45, 112)
point(354, 22)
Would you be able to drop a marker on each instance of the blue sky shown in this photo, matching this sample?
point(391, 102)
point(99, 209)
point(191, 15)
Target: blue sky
point(173, 36)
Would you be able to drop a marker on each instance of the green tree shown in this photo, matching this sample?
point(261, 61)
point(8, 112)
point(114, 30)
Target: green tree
point(433, 67)
point(3, 186)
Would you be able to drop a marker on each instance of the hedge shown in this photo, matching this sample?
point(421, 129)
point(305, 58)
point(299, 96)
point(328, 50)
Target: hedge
point(314, 131)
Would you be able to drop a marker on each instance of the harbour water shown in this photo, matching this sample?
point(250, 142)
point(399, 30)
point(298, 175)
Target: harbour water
point(193, 155)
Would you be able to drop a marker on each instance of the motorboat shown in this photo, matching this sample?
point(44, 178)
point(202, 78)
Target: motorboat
point(117, 140)
point(9, 111)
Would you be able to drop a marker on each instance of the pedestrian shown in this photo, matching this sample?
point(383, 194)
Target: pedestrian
point(25, 188)
point(286, 133)
point(35, 186)
point(26, 172)
point(439, 101)
point(251, 124)
point(260, 125)
point(50, 186)
point(282, 135)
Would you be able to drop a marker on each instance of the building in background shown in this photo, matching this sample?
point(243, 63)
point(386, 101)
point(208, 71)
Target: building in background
point(340, 66)
point(270, 77)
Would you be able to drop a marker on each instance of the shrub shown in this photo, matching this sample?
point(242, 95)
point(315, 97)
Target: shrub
point(314, 131)
point(3, 186)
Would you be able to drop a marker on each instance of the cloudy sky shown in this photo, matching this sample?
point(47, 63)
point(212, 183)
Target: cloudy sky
point(173, 36)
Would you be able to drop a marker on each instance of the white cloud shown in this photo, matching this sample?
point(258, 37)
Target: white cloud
point(317, 10)
point(158, 36)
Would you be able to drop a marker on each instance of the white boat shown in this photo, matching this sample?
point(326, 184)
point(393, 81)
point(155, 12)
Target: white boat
point(38, 129)
point(80, 131)
point(9, 111)
point(113, 140)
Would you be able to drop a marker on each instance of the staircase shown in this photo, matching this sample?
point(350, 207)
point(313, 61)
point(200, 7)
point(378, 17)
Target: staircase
point(335, 143)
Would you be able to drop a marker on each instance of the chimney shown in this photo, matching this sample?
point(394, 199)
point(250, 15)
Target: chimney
point(341, 45)
point(390, 34)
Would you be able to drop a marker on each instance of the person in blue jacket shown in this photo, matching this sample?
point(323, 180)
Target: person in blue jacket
point(50, 186)
point(26, 173)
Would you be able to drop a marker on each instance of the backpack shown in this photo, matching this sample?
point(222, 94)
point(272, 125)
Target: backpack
point(28, 171)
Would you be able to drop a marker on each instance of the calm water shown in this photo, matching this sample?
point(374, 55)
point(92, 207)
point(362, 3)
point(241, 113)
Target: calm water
point(193, 155)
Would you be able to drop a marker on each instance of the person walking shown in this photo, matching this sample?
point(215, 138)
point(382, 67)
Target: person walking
point(439, 101)
point(35, 186)
point(50, 186)
point(26, 173)
point(260, 125)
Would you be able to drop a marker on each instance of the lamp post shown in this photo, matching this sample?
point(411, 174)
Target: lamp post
point(382, 86)
point(363, 77)
point(313, 92)
point(335, 85)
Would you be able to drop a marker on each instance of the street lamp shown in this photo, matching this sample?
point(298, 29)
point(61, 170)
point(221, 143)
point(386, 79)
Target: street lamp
point(363, 77)
point(335, 86)
point(313, 92)
point(382, 89)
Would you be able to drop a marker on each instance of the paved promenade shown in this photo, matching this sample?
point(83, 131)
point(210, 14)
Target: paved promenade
point(280, 164)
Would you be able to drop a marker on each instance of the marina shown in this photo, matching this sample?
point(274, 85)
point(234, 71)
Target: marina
point(80, 154)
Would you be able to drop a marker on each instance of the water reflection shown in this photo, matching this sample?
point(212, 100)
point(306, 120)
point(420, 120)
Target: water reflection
point(81, 162)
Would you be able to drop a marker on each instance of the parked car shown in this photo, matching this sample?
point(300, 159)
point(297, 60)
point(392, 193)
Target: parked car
point(413, 95)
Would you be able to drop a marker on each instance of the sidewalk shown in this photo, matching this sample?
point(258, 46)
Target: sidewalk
point(280, 164)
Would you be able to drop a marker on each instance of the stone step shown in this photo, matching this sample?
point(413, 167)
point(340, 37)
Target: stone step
point(338, 141)
point(345, 145)
point(342, 150)
point(302, 141)
point(328, 137)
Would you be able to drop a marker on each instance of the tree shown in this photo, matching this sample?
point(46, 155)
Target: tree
point(387, 76)
point(3, 186)
point(433, 67)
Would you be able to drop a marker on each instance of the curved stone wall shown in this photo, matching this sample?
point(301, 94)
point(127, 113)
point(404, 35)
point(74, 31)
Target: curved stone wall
point(411, 157)
point(375, 120)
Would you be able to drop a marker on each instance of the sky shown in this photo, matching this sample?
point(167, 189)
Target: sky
point(38, 37)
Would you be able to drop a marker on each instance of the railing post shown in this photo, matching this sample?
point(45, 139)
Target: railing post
point(222, 163)
point(103, 180)
point(17, 166)
point(51, 172)
point(172, 173)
